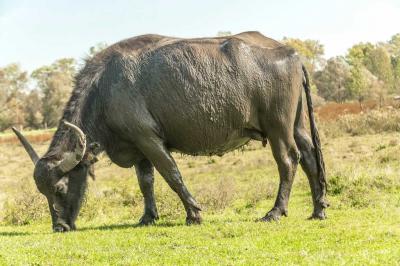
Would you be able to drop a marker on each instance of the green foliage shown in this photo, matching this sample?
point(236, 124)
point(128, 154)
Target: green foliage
point(380, 65)
point(311, 51)
point(393, 46)
point(26, 207)
point(13, 84)
point(55, 82)
point(359, 53)
point(375, 68)
point(33, 110)
point(361, 79)
point(336, 185)
point(396, 73)
point(93, 50)
point(333, 80)
point(358, 85)
point(371, 71)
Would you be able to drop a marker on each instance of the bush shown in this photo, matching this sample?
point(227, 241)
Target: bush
point(336, 185)
point(217, 196)
point(359, 189)
point(26, 206)
point(371, 122)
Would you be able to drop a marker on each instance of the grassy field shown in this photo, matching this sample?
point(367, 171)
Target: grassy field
point(363, 225)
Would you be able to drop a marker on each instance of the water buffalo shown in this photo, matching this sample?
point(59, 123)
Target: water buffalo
point(146, 96)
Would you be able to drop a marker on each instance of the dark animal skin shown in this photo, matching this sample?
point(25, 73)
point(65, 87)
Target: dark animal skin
point(144, 97)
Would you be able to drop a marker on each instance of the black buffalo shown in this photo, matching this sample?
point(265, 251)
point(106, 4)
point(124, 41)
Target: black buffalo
point(144, 97)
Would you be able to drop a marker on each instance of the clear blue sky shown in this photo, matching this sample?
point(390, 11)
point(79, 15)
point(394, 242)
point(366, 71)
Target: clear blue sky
point(37, 32)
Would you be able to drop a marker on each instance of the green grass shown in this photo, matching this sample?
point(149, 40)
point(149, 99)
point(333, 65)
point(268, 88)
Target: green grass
point(362, 226)
point(347, 237)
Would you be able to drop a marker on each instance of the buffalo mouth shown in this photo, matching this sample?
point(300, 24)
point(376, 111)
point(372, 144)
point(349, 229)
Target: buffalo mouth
point(64, 217)
point(61, 227)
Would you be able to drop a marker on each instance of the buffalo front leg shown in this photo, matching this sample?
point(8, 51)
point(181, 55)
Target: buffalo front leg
point(287, 157)
point(145, 174)
point(161, 158)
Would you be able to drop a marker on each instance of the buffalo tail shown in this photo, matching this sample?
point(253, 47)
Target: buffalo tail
point(314, 132)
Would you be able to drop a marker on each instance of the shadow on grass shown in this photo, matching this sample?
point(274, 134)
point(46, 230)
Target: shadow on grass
point(14, 233)
point(128, 225)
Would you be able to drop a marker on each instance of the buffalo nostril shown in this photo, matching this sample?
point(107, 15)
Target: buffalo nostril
point(60, 188)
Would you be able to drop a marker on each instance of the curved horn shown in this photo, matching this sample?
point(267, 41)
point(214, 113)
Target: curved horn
point(28, 147)
point(71, 159)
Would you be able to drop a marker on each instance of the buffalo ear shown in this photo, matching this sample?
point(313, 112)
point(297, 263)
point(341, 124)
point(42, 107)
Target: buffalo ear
point(92, 151)
point(94, 148)
point(91, 157)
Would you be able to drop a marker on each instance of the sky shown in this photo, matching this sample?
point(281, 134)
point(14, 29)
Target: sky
point(38, 32)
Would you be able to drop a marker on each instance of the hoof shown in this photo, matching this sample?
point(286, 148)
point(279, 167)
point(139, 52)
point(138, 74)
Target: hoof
point(318, 216)
point(147, 220)
point(194, 220)
point(273, 215)
point(319, 210)
point(269, 218)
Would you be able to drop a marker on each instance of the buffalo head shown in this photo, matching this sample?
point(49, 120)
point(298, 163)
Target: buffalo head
point(61, 175)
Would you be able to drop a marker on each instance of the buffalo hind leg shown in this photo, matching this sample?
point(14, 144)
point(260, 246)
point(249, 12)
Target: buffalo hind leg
point(158, 154)
point(309, 165)
point(287, 157)
point(145, 174)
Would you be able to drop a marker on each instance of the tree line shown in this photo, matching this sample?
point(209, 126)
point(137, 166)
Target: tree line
point(36, 100)
point(367, 71)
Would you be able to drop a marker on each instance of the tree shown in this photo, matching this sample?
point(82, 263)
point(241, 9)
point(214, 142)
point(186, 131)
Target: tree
point(13, 84)
point(33, 110)
point(393, 46)
point(396, 74)
point(358, 54)
point(380, 65)
point(358, 83)
point(224, 33)
point(372, 73)
point(93, 50)
point(310, 50)
point(333, 81)
point(55, 82)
